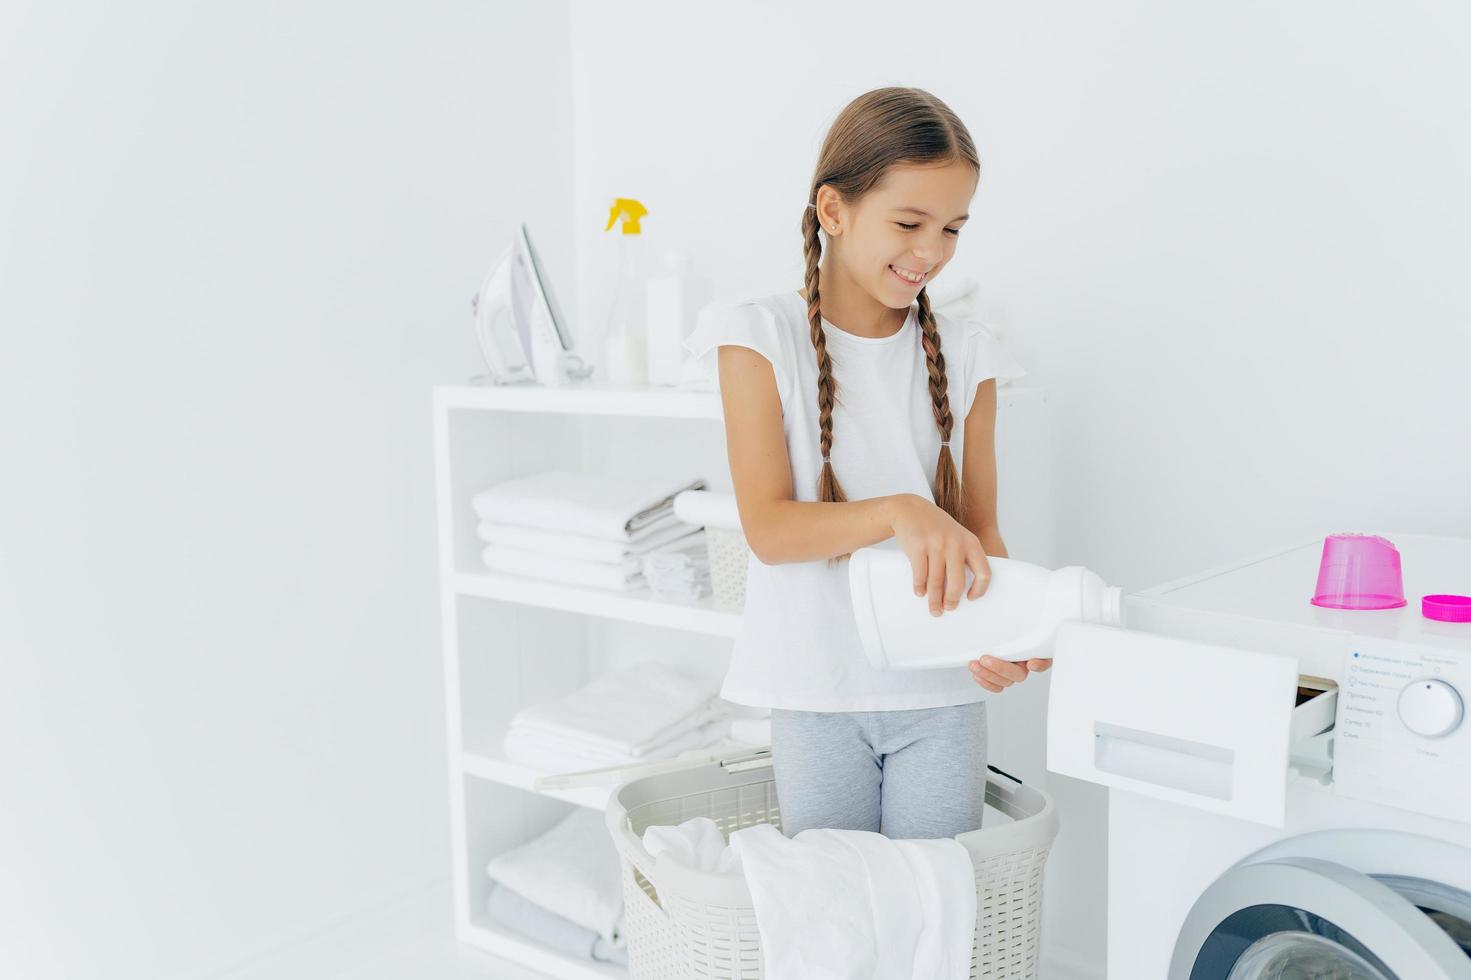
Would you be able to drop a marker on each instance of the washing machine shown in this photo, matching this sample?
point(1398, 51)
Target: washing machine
point(1289, 785)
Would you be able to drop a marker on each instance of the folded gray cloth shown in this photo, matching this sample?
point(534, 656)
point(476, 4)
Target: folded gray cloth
point(550, 929)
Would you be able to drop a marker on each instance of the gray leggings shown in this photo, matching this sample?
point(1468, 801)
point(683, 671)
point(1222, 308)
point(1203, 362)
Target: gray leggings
point(916, 773)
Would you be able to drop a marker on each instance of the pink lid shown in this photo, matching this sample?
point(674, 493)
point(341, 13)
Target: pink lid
point(1447, 608)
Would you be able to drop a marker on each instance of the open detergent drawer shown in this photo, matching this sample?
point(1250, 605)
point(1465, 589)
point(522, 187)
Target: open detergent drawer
point(1210, 727)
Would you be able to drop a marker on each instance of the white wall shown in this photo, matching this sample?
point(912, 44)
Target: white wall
point(1230, 238)
point(239, 243)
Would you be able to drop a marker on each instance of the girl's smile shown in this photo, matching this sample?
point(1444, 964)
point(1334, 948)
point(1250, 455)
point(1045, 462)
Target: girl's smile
point(911, 279)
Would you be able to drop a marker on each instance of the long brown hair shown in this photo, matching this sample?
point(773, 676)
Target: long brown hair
point(873, 132)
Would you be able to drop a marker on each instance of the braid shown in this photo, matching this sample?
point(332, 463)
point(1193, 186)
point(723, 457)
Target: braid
point(947, 481)
point(828, 488)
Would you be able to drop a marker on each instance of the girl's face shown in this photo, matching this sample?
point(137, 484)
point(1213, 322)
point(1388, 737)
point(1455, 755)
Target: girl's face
point(904, 231)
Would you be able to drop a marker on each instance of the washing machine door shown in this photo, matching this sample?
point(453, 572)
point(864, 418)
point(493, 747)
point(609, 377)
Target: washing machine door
point(1300, 917)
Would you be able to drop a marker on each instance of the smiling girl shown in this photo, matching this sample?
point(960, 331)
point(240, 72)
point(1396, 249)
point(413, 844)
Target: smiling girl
point(856, 414)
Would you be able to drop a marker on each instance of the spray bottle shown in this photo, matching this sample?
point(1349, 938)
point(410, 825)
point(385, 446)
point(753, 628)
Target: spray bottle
point(625, 345)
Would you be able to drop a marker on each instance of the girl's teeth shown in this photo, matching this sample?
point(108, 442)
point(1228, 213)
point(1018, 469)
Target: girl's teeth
point(905, 275)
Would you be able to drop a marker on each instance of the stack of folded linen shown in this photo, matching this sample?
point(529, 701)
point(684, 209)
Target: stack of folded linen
point(626, 716)
point(578, 528)
point(680, 570)
point(563, 889)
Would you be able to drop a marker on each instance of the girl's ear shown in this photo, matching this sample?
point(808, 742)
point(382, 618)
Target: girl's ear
point(831, 211)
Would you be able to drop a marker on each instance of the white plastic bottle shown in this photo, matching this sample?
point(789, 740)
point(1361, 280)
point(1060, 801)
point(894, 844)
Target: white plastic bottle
point(674, 299)
point(1014, 619)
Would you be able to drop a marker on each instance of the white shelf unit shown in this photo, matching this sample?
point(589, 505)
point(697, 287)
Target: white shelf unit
point(510, 641)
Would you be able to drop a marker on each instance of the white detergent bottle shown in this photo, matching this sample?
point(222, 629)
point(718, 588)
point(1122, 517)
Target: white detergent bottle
point(674, 300)
point(1014, 619)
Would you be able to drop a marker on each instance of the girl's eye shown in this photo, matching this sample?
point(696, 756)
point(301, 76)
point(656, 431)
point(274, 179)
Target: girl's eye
point(953, 231)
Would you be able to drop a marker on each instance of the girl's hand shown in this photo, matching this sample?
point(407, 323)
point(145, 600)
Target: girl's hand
point(997, 675)
point(940, 549)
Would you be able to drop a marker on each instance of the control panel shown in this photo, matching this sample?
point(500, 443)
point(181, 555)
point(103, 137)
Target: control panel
point(1402, 736)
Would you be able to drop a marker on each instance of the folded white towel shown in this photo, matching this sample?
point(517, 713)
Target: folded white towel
point(852, 903)
point(580, 503)
point(546, 927)
point(679, 571)
point(628, 710)
point(697, 843)
point(669, 590)
point(549, 753)
point(707, 508)
point(620, 575)
point(666, 531)
point(571, 870)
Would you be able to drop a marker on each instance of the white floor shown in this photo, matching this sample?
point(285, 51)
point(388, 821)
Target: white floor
point(412, 939)
point(444, 958)
point(415, 941)
point(441, 957)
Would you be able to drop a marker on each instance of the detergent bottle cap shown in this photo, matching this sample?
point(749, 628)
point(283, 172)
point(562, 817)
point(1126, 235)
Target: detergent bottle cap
point(631, 211)
point(1446, 608)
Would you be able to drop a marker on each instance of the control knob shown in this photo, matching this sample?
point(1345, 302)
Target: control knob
point(1431, 707)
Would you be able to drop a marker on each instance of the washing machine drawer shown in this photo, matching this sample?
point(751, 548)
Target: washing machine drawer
point(1211, 727)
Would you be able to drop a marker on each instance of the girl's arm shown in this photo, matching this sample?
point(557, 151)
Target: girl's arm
point(778, 528)
point(978, 474)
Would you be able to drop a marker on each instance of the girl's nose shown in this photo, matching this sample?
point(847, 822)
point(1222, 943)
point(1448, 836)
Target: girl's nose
point(929, 255)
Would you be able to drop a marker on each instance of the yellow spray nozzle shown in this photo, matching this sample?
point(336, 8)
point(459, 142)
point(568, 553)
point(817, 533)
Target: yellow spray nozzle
point(631, 211)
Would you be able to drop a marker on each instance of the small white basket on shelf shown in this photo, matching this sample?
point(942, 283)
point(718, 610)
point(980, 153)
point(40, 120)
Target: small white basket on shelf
point(684, 924)
point(725, 543)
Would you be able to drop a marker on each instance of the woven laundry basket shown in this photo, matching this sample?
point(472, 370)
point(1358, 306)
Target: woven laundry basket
point(725, 543)
point(729, 558)
point(684, 924)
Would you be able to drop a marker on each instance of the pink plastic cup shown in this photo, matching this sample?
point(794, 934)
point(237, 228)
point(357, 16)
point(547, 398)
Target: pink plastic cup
point(1359, 571)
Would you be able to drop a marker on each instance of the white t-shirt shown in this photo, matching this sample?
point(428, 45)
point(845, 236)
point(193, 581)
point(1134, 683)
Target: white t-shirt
point(797, 646)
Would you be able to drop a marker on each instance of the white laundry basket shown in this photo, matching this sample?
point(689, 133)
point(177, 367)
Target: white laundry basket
point(684, 924)
point(725, 544)
point(729, 558)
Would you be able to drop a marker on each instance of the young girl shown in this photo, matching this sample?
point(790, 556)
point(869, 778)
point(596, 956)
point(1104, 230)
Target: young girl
point(854, 413)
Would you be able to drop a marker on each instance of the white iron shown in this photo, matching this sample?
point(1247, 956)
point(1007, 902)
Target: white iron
point(521, 331)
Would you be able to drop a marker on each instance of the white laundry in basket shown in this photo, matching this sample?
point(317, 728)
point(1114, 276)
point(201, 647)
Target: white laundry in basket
point(853, 903)
point(697, 843)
